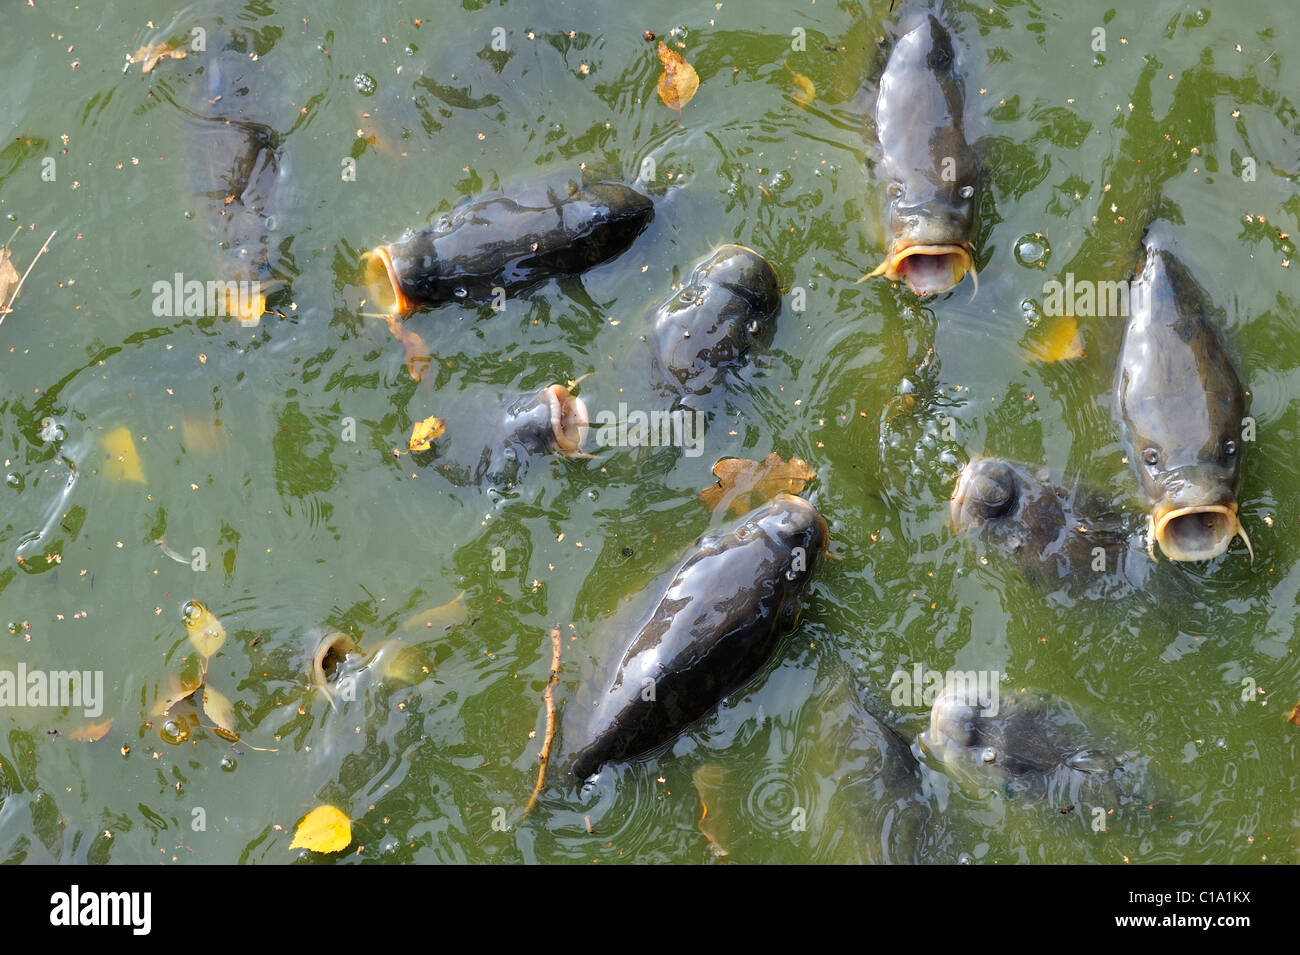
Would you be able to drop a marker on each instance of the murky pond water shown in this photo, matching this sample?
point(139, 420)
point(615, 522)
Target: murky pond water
point(257, 470)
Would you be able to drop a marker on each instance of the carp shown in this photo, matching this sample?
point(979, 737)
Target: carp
point(494, 446)
point(707, 331)
point(510, 242)
point(1181, 405)
point(720, 619)
point(929, 169)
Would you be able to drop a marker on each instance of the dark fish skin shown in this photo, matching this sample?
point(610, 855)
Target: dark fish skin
point(237, 159)
point(493, 445)
point(718, 622)
point(929, 170)
point(1049, 527)
point(1180, 405)
point(1029, 744)
point(723, 314)
point(514, 241)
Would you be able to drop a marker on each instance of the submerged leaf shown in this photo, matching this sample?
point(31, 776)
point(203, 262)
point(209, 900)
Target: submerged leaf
point(439, 618)
point(324, 829)
point(178, 689)
point(8, 275)
point(152, 53)
point(679, 81)
point(219, 709)
point(739, 479)
point(804, 91)
point(415, 352)
point(425, 433)
point(92, 732)
point(206, 632)
point(1060, 342)
point(123, 463)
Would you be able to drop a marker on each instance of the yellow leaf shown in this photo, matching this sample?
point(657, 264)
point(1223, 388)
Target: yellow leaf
point(1061, 341)
point(219, 709)
point(425, 432)
point(804, 91)
point(206, 632)
point(324, 829)
point(740, 479)
point(679, 81)
point(152, 53)
point(92, 732)
point(123, 463)
point(178, 688)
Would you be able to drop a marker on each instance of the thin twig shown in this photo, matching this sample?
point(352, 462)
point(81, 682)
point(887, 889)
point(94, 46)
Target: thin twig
point(8, 306)
point(549, 697)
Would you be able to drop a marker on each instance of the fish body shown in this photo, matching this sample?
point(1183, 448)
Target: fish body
point(510, 241)
point(1180, 404)
point(716, 625)
point(929, 170)
point(708, 330)
point(1057, 532)
point(1029, 745)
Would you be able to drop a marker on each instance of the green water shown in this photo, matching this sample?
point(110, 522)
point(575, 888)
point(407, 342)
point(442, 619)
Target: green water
point(245, 447)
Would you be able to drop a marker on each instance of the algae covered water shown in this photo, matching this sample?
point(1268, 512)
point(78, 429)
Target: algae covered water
point(154, 457)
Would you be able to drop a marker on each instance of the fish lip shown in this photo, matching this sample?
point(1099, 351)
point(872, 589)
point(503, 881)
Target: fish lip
point(1225, 528)
point(786, 498)
point(377, 259)
point(900, 252)
point(569, 420)
point(957, 503)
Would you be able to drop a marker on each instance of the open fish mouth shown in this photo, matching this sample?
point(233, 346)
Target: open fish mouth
point(1200, 532)
point(569, 419)
point(383, 284)
point(927, 269)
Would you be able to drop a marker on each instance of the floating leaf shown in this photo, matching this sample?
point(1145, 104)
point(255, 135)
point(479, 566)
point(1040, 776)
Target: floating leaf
point(804, 91)
point(153, 53)
point(425, 432)
point(439, 618)
point(1295, 715)
point(123, 463)
point(679, 81)
point(92, 732)
point(1060, 342)
point(324, 829)
point(205, 630)
point(219, 709)
point(178, 688)
point(740, 479)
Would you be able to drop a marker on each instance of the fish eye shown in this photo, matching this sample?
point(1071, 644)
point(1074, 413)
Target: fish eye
point(1230, 448)
point(895, 190)
point(1150, 457)
point(989, 755)
point(966, 191)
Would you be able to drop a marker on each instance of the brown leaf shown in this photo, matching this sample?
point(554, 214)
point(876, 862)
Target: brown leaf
point(1295, 714)
point(740, 479)
point(415, 352)
point(92, 732)
point(679, 81)
point(178, 688)
point(425, 432)
point(153, 53)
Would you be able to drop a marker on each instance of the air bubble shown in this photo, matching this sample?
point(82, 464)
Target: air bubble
point(1032, 250)
point(365, 84)
point(174, 732)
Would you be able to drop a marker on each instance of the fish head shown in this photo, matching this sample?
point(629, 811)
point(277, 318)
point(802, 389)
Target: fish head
point(553, 420)
point(795, 534)
point(963, 733)
point(988, 489)
point(625, 210)
point(1195, 511)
